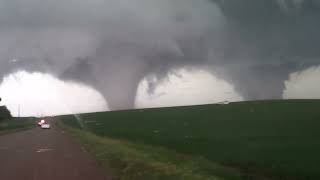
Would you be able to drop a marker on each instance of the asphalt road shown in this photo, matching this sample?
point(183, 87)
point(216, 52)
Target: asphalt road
point(39, 154)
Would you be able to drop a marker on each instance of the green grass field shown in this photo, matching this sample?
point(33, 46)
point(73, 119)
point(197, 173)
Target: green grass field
point(16, 124)
point(126, 160)
point(277, 139)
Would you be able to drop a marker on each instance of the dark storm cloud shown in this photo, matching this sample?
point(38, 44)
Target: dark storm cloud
point(113, 44)
point(266, 40)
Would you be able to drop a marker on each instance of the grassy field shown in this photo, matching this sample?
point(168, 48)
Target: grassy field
point(134, 161)
point(16, 124)
point(277, 139)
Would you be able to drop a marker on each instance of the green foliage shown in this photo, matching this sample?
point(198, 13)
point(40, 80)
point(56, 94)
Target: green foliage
point(4, 113)
point(278, 139)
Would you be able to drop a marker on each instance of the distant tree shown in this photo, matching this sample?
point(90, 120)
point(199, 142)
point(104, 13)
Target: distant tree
point(4, 112)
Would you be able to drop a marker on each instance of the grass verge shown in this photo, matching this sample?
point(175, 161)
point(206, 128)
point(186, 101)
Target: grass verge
point(133, 161)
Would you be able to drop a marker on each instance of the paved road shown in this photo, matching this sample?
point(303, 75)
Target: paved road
point(39, 154)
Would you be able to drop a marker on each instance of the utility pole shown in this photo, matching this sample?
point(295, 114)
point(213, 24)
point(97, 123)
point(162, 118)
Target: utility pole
point(19, 111)
point(19, 82)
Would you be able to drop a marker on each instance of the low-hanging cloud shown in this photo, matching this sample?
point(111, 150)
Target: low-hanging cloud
point(112, 45)
point(303, 85)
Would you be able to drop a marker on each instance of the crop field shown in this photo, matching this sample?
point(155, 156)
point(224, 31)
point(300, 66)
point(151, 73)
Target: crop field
point(276, 139)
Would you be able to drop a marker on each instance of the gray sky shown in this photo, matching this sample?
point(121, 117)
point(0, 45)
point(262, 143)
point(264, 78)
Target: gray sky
point(112, 45)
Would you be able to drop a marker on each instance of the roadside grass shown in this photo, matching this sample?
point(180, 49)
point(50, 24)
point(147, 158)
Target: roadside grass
point(134, 161)
point(278, 139)
point(16, 124)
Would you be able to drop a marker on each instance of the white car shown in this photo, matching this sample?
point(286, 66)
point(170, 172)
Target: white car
point(45, 126)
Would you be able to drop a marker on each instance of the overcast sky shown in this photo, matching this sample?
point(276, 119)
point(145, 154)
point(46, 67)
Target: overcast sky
point(113, 47)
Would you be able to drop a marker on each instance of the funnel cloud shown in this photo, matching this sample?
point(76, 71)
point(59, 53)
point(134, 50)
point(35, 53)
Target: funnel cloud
point(113, 45)
point(185, 87)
